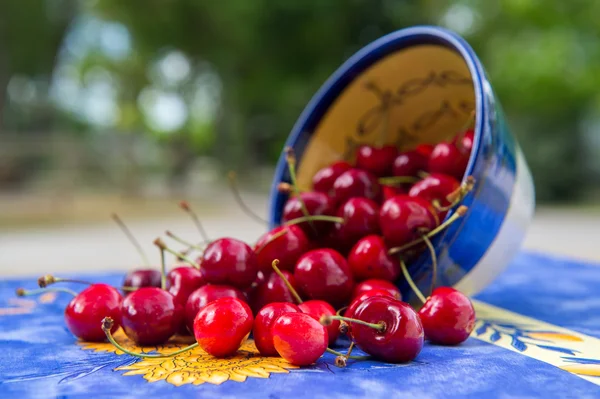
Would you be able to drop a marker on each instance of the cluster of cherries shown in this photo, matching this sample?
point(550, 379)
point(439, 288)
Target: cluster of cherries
point(331, 268)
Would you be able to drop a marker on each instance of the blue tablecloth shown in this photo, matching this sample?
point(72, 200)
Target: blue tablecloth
point(537, 335)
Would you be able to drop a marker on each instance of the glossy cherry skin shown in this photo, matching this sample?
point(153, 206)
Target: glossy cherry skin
point(436, 186)
point(316, 309)
point(448, 316)
point(362, 297)
point(409, 163)
point(356, 183)
point(265, 318)
point(402, 337)
point(299, 338)
point(403, 219)
point(184, 280)
point(287, 248)
point(448, 159)
point(378, 284)
point(324, 274)
point(143, 278)
point(222, 326)
point(273, 289)
point(229, 261)
point(376, 160)
point(316, 204)
point(323, 180)
point(150, 316)
point(84, 313)
point(203, 296)
point(361, 218)
point(369, 259)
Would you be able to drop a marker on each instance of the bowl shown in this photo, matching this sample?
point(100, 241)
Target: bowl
point(432, 81)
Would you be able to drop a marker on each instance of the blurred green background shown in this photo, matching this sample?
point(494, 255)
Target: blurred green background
point(157, 98)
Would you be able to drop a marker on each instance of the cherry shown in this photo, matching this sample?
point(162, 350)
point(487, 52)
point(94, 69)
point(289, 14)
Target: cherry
point(324, 274)
point(362, 297)
point(403, 219)
point(369, 259)
point(378, 284)
point(324, 178)
point(356, 183)
point(229, 261)
point(263, 337)
point(299, 339)
point(85, 312)
point(184, 280)
point(286, 243)
point(409, 163)
point(273, 289)
point(447, 158)
point(464, 141)
point(317, 309)
point(361, 218)
point(316, 204)
point(391, 191)
point(203, 296)
point(425, 149)
point(376, 160)
point(448, 316)
point(222, 326)
point(142, 278)
point(435, 188)
point(150, 316)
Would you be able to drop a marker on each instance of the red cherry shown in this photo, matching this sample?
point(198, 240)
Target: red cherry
point(265, 318)
point(229, 261)
point(361, 218)
point(403, 219)
point(464, 141)
point(447, 158)
point(150, 316)
point(369, 259)
point(362, 297)
point(222, 326)
point(324, 274)
point(390, 191)
point(376, 160)
point(401, 337)
point(448, 316)
point(317, 309)
point(85, 312)
point(379, 284)
point(425, 149)
point(409, 163)
point(203, 296)
point(184, 280)
point(273, 289)
point(436, 186)
point(299, 339)
point(356, 183)
point(324, 178)
point(286, 243)
point(316, 204)
point(142, 278)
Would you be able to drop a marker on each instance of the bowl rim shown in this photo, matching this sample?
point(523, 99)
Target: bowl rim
point(363, 59)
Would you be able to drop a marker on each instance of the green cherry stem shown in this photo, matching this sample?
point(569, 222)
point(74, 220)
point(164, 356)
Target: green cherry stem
point(410, 282)
point(456, 196)
point(328, 319)
point(186, 207)
point(183, 242)
point(159, 243)
point(23, 292)
point(163, 269)
point(273, 238)
point(49, 279)
point(433, 260)
point(131, 238)
point(397, 180)
point(334, 352)
point(285, 281)
point(232, 177)
point(315, 218)
point(107, 324)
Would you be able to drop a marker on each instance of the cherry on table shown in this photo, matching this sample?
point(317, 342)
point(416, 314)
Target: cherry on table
point(84, 313)
point(324, 274)
point(361, 218)
point(150, 316)
point(299, 339)
point(448, 316)
point(409, 163)
point(286, 243)
point(356, 183)
point(378, 284)
point(229, 261)
point(369, 259)
point(316, 309)
point(317, 204)
point(206, 294)
point(222, 326)
point(447, 158)
point(355, 303)
point(376, 160)
point(182, 281)
point(403, 219)
point(323, 180)
point(264, 320)
point(273, 289)
point(140, 278)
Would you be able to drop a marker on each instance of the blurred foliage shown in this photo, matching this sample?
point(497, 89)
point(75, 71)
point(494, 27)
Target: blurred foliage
point(270, 56)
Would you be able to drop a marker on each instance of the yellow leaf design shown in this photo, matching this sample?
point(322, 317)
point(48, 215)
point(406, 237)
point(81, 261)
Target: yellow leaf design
point(557, 336)
point(592, 370)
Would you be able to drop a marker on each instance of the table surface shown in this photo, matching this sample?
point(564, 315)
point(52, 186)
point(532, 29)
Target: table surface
point(537, 335)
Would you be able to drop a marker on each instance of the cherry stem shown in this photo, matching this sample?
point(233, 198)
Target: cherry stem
point(163, 269)
point(23, 292)
point(410, 282)
point(316, 218)
point(159, 243)
point(232, 177)
point(131, 238)
point(397, 180)
point(183, 242)
point(433, 261)
point(422, 174)
point(285, 281)
point(49, 279)
point(455, 216)
point(290, 157)
point(327, 319)
point(273, 238)
point(456, 196)
point(107, 324)
point(334, 352)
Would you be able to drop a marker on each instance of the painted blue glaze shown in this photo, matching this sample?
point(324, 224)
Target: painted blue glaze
point(492, 162)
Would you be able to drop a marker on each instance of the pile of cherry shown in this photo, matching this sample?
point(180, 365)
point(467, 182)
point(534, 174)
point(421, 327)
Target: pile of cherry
point(331, 268)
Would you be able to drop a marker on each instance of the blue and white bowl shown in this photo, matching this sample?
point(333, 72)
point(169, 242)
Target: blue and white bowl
point(432, 81)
